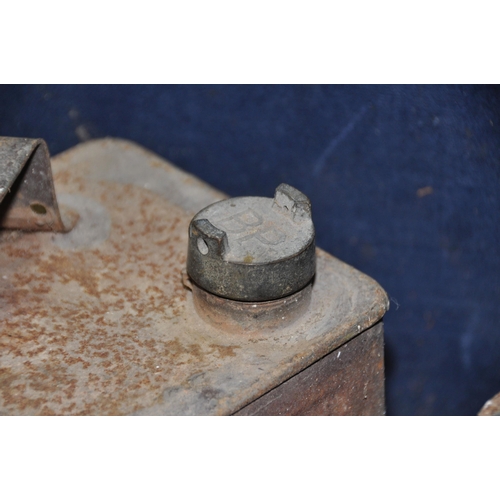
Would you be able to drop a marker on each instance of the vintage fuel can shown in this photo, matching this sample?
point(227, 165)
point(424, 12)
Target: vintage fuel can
point(154, 294)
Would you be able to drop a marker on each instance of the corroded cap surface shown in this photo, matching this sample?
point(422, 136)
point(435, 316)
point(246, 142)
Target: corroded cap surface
point(253, 248)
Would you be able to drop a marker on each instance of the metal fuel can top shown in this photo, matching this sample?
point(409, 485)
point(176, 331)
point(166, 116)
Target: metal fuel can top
point(96, 321)
point(253, 248)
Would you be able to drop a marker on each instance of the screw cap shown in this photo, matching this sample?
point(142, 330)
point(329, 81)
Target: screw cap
point(253, 248)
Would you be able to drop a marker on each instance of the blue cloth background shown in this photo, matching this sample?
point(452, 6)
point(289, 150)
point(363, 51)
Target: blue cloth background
point(404, 181)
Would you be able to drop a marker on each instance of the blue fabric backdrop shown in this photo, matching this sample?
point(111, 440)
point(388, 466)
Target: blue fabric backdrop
point(405, 185)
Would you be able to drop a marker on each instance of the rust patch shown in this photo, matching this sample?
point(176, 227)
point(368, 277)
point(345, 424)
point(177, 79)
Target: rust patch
point(225, 350)
point(78, 327)
point(67, 269)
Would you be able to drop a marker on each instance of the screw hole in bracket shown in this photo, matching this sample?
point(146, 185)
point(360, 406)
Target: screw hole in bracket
point(38, 208)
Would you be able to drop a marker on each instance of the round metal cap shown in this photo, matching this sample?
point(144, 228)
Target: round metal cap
point(253, 248)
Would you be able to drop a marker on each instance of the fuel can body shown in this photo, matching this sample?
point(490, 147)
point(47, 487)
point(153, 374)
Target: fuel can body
point(99, 320)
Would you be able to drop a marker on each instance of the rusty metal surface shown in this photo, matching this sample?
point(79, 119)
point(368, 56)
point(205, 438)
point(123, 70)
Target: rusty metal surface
point(27, 195)
point(97, 321)
point(244, 317)
point(348, 381)
point(491, 408)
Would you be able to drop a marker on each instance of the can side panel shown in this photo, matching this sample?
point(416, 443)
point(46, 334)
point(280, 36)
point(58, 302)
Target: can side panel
point(348, 381)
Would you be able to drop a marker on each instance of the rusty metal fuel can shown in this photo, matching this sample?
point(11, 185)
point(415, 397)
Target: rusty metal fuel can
point(148, 292)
